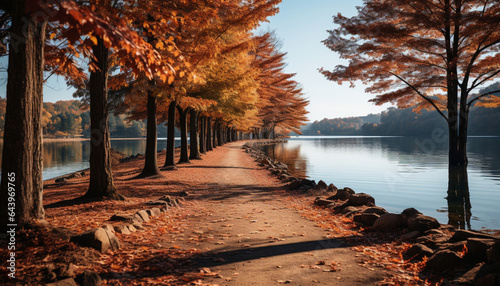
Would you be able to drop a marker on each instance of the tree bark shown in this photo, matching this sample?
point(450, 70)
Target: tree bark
point(184, 139)
point(101, 175)
point(209, 133)
point(151, 161)
point(170, 157)
point(22, 149)
point(202, 135)
point(193, 133)
point(214, 139)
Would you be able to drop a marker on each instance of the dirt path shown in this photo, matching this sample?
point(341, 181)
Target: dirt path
point(253, 238)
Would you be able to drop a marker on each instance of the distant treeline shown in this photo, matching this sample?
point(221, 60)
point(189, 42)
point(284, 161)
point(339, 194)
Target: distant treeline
point(65, 119)
point(404, 122)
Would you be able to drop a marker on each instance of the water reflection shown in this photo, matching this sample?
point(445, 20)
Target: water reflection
point(291, 156)
point(459, 206)
point(403, 172)
point(63, 157)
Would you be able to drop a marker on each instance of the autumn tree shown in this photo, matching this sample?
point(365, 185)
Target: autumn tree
point(281, 102)
point(425, 54)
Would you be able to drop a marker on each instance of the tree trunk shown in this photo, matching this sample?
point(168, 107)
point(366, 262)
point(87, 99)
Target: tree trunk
point(184, 140)
point(101, 175)
point(170, 157)
point(22, 149)
point(209, 133)
point(202, 135)
point(151, 161)
point(194, 152)
point(214, 141)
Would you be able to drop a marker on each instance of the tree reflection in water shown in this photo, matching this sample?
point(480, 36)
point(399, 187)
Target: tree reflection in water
point(297, 163)
point(459, 207)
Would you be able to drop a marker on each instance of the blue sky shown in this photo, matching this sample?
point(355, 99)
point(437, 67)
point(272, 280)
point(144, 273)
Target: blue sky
point(301, 25)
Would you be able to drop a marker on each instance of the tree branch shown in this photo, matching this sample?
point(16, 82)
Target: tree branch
point(481, 96)
point(421, 95)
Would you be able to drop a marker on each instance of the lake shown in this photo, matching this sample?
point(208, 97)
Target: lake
point(64, 157)
point(401, 172)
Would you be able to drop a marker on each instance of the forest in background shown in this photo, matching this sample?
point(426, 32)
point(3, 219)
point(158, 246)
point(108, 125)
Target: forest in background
point(66, 119)
point(404, 122)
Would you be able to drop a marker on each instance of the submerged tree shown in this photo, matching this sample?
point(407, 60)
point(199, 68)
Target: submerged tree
point(423, 53)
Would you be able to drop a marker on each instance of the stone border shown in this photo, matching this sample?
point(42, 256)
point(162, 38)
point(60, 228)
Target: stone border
point(103, 238)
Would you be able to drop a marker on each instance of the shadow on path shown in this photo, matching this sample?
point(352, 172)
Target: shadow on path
point(222, 256)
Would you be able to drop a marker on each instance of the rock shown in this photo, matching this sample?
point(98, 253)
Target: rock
point(443, 260)
point(305, 188)
point(331, 188)
point(307, 182)
point(89, 278)
point(417, 252)
point(294, 185)
point(183, 194)
point(461, 235)
point(321, 185)
point(131, 228)
point(82, 173)
point(366, 218)
point(108, 227)
point(351, 210)
point(469, 277)
point(170, 201)
point(156, 203)
point(489, 275)
point(422, 223)
point(154, 212)
point(144, 215)
point(98, 238)
point(494, 253)
point(343, 194)
point(74, 175)
point(412, 235)
point(65, 282)
point(61, 180)
point(410, 212)
point(123, 229)
point(322, 202)
point(389, 222)
point(361, 199)
point(124, 218)
point(477, 248)
point(455, 247)
point(338, 206)
point(137, 225)
point(433, 240)
point(375, 210)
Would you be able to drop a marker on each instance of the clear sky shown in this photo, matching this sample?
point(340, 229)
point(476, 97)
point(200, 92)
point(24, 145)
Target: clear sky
point(301, 25)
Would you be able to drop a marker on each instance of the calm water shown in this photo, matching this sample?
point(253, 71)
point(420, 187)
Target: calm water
point(400, 172)
point(61, 158)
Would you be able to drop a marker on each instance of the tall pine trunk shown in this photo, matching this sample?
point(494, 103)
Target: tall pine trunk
point(170, 158)
point(101, 175)
point(203, 142)
point(214, 139)
point(151, 161)
point(194, 148)
point(209, 133)
point(22, 149)
point(184, 139)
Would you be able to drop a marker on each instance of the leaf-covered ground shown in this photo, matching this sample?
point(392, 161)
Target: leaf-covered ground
point(238, 226)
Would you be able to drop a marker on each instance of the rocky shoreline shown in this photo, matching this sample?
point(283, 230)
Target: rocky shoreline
point(470, 257)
